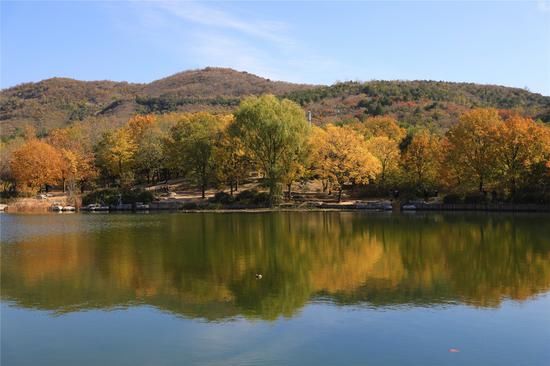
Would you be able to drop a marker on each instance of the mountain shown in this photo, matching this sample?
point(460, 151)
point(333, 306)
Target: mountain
point(57, 102)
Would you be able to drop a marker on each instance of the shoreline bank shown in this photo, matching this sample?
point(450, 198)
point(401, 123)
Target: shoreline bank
point(357, 207)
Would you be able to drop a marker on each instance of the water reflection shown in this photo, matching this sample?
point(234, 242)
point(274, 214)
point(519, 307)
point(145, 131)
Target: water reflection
point(204, 265)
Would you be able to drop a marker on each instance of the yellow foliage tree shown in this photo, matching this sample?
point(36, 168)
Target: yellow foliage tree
point(421, 160)
point(383, 126)
point(230, 160)
point(473, 144)
point(115, 154)
point(387, 152)
point(521, 143)
point(347, 158)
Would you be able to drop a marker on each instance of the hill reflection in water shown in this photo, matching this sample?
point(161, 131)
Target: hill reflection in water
point(204, 265)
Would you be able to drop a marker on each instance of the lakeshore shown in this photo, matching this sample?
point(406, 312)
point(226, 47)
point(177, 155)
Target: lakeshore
point(186, 205)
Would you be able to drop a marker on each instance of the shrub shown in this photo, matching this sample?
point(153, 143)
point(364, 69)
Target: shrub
point(137, 195)
point(261, 199)
point(190, 206)
point(247, 195)
point(111, 196)
point(475, 198)
point(531, 197)
point(223, 198)
point(107, 196)
point(452, 198)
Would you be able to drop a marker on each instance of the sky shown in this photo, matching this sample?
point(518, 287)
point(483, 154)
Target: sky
point(317, 42)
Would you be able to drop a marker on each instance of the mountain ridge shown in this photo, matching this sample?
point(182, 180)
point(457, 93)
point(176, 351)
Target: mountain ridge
point(59, 101)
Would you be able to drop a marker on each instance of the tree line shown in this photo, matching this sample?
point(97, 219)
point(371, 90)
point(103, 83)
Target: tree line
point(491, 153)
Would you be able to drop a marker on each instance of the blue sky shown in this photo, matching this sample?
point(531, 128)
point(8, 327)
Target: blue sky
point(494, 42)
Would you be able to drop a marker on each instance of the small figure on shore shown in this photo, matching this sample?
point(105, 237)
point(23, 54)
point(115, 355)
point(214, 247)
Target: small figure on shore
point(258, 276)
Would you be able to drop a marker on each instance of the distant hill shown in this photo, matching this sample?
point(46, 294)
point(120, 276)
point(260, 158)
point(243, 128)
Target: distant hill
point(57, 102)
point(432, 104)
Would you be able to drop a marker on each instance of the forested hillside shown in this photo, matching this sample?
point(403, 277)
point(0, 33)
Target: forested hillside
point(59, 102)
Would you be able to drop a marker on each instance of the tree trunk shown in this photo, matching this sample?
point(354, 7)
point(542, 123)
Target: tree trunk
point(480, 184)
point(289, 190)
point(340, 195)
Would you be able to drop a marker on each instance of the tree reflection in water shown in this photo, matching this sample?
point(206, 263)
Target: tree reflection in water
point(204, 265)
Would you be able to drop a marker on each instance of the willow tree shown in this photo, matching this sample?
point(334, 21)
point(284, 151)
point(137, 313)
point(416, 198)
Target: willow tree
point(273, 132)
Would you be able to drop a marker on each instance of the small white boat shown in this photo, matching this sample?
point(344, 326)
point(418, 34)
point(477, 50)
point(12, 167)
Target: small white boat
point(96, 207)
point(69, 208)
point(141, 206)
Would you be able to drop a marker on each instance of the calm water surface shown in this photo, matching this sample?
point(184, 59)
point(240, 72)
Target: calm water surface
point(337, 289)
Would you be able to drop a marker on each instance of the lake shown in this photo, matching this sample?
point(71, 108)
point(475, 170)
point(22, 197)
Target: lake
point(337, 288)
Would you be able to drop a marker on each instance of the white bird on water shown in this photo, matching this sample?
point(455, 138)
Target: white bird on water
point(258, 276)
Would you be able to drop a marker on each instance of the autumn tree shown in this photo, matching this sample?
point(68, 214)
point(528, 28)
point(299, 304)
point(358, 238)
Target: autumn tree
point(6, 153)
point(421, 160)
point(149, 155)
point(473, 144)
point(294, 169)
point(148, 135)
point(139, 125)
point(273, 132)
point(347, 159)
point(194, 138)
point(78, 165)
point(232, 163)
point(387, 152)
point(115, 155)
point(383, 126)
point(318, 156)
point(36, 164)
point(521, 144)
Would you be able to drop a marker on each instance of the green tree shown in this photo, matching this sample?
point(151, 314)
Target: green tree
point(194, 139)
point(273, 132)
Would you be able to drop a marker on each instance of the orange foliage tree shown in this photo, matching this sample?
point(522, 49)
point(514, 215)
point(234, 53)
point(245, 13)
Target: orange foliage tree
point(36, 164)
point(78, 165)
